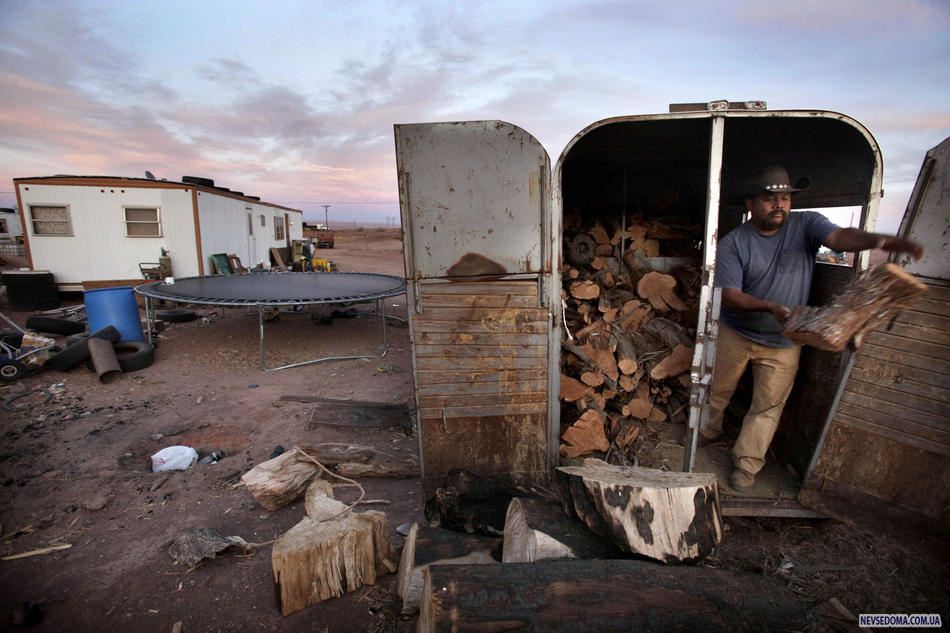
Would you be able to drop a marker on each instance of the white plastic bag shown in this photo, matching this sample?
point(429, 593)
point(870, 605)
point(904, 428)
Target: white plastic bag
point(174, 458)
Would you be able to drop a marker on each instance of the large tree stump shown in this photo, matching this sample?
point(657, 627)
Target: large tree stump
point(668, 516)
point(317, 560)
point(602, 596)
point(427, 546)
point(869, 301)
point(540, 530)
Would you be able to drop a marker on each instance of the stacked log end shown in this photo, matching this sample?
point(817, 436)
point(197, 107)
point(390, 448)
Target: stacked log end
point(629, 333)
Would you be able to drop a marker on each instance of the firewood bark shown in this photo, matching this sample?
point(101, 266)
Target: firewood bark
point(427, 546)
point(538, 530)
point(317, 560)
point(869, 301)
point(668, 516)
point(588, 596)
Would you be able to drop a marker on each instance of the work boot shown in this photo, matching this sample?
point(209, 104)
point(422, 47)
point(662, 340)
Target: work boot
point(741, 479)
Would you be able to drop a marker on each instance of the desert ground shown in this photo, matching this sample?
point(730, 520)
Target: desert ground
point(75, 469)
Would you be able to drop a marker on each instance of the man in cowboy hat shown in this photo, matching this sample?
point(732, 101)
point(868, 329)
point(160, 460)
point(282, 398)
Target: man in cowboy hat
point(764, 268)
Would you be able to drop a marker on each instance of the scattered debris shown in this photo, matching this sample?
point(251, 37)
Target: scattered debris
point(193, 546)
point(95, 503)
point(174, 458)
point(38, 552)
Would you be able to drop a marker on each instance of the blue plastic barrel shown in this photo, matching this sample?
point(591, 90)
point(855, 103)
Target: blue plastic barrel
point(115, 307)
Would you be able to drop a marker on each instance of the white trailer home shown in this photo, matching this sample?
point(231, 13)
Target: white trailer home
point(10, 227)
point(97, 230)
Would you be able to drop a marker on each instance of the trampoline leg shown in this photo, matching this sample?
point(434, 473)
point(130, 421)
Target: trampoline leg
point(383, 351)
point(260, 331)
point(148, 319)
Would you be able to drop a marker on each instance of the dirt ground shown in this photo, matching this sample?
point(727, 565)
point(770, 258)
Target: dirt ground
point(89, 446)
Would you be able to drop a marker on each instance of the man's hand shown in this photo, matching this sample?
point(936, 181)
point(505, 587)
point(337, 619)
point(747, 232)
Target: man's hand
point(893, 244)
point(780, 312)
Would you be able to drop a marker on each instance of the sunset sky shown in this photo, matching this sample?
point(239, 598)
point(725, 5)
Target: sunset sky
point(295, 101)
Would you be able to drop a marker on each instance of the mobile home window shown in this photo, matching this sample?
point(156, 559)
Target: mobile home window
point(263, 220)
point(51, 220)
point(278, 228)
point(3, 226)
point(142, 222)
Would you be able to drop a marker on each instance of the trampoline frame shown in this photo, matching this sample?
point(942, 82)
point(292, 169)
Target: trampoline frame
point(151, 291)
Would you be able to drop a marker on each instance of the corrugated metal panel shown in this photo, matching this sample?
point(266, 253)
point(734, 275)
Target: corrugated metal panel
point(889, 440)
point(99, 248)
point(481, 370)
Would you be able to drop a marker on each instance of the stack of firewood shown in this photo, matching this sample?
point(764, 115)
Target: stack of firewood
point(630, 308)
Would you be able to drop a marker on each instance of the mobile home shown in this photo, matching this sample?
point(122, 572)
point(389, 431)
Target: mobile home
point(97, 230)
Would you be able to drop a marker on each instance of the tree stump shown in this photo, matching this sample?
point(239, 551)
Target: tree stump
point(317, 560)
point(540, 530)
point(668, 516)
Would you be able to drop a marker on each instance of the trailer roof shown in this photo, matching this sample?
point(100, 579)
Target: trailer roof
point(142, 183)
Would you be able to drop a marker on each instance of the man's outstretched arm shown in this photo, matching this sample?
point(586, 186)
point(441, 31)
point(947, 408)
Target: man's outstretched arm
point(854, 240)
point(735, 299)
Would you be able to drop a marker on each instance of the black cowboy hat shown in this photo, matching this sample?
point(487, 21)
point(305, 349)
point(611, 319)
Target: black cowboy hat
point(773, 179)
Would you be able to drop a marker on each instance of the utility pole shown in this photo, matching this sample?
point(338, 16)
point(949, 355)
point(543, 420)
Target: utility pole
point(326, 221)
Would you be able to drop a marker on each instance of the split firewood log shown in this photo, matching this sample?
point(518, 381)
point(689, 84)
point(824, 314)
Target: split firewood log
point(637, 234)
point(592, 378)
point(668, 516)
point(573, 389)
point(280, 480)
point(599, 234)
point(869, 301)
point(538, 530)
point(585, 290)
point(657, 288)
point(656, 415)
point(604, 250)
point(427, 546)
point(585, 435)
point(678, 361)
point(640, 405)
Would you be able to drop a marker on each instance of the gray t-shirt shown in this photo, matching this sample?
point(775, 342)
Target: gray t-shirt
point(774, 268)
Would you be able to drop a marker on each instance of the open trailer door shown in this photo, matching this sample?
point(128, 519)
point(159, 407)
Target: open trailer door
point(884, 458)
point(476, 223)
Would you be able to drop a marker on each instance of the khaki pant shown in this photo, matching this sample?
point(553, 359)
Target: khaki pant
point(773, 374)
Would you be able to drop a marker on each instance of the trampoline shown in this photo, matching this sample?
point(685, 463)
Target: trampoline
point(263, 290)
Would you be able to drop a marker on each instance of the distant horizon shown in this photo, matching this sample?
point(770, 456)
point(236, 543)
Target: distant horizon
point(302, 112)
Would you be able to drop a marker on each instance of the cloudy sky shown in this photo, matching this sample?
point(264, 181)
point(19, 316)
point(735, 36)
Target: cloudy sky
point(295, 101)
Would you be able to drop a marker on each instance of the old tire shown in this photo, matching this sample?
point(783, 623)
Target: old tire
point(176, 315)
point(51, 325)
point(79, 351)
point(11, 370)
point(11, 337)
point(580, 250)
point(134, 355)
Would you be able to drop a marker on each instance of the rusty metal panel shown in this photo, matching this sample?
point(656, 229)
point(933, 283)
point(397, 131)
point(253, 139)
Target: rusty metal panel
point(927, 219)
point(481, 371)
point(474, 199)
point(887, 449)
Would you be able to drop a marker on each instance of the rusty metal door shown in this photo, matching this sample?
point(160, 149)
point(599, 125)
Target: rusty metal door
point(885, 455)
point(474, 199)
